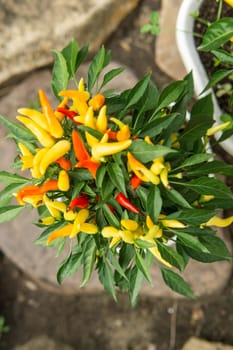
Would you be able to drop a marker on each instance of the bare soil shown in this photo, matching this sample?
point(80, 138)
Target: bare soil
point(93, 322)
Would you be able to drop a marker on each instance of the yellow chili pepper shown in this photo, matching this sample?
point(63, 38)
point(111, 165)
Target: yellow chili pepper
point(79, 99)
point(59, 233)
point(55, 128)
point(90, 121)
point(56, 213)
point(27, 156)
point(35, 200)
point(102, 121)
point(219, 222)
point(81, 85)
point(48, 220)
point(100, 150)
point(124, 132)
point(63, 181)
point(55, 152)
point(164, 178)
point(42, 136)
point(229, 2)
point(217, 128)
point(36, 116)
point(141, 171)
point(36, 162)
point(60, 116)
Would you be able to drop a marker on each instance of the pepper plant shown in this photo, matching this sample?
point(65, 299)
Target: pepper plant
point(123, 178)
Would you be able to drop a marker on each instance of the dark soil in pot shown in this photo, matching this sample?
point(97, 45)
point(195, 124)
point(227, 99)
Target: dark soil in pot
point(208, 12)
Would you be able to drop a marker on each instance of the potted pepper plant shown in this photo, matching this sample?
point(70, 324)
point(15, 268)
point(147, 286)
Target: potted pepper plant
point(204, 33)
point(122, 178)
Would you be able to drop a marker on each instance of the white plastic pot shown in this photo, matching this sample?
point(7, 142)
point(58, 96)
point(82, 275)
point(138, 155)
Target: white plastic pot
point(191, 59)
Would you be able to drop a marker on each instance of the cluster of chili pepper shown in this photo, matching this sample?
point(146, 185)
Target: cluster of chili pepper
point(94, 138)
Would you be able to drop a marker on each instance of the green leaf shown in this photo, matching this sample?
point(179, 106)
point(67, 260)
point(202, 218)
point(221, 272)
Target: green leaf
point(18, 131)
point(135, 283)
point(177, 198)
point(203, 257)
point(100, 174)
point(117, 177)
point(171, 93)
point(95, 68)
point(210, 186)
point(106, 277)
point(191, 242)
point(192, 216)
point(6, 195)
point(110, 75)
point(155, 127)
point(69, 266)
point(214, 167)
point(215, 245)
point(216, 77)
point(88, 260)
point(145, 152)
point(70, 53)
point(201, 120)
point(60, 74)
point(9, 178)
point(154, 203)
point(141, 243)
point(142, 266)
point(217, 34)
point(82, 54)
point(176, 283)
point(223, 56)
point(10, 212)
point(137, 92)
point(142, 193)
point(116, 264)
point(195, 159)
point(170, 255)
point(110, 217)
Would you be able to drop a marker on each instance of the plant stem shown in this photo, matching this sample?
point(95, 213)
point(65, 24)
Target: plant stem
point(219, 13)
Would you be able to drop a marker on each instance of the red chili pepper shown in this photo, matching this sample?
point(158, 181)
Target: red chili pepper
point(68, 113)
point(112, 134)
point(135, 182)
point(111, 208)
point(124, 202)
point(80, 202)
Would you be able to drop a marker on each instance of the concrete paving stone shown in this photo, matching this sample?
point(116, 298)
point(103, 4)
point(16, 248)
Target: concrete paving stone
point(43, 343)
point(196, 344)
point(30, 29)
point(167, 56)
point(40, 263)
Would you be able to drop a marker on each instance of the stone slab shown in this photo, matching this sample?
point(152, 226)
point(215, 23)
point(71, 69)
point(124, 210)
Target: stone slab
point(40, 263)
point(43, 343)
point(167, 56)
point(196, 344)
point(30, 29)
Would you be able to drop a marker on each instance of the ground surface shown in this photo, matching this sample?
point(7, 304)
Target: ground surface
point(94, 321)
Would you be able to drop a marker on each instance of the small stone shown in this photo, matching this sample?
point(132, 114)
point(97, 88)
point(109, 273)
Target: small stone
point(167, 56)
point(43, 343)
point(195, 343)
point(31, 29)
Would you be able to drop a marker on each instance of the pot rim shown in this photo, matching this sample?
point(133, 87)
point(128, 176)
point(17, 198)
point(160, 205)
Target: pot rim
point(191, 60)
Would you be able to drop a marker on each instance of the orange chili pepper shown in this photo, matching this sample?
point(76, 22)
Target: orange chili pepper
point(55, 127)
point(88, 164)
point(80, 150)
point(97, 102)
point(50, 185)
point(27, 191)
point(64, 163)
point(135, 182)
